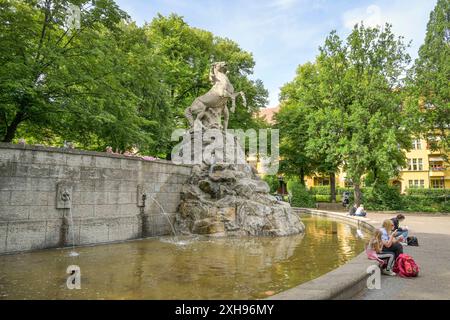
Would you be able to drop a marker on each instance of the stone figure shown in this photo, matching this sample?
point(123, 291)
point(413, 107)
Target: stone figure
point(208, 108)
point(224, 195)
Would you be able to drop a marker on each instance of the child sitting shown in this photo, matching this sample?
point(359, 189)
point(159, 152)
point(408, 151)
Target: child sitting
point(374, 251)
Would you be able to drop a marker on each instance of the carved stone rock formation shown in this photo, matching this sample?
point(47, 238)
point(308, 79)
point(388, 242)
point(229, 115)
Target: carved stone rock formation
point(224, 195)
point(225, 198)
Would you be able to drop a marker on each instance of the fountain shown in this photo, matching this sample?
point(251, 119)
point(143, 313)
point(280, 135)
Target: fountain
point(224, 195)
point(65, 197)
point(164, 214)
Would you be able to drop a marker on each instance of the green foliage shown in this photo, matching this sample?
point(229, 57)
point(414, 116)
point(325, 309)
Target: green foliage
point(428, 192)
point(325, 190)
point(425, 204)
point(382, 197)
point(348, 106)
point(429, 81)
point(272, 181)
point(301, 197)
point(294, 161)
point(322, 198)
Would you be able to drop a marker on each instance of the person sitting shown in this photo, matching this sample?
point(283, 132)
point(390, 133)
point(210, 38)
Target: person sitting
point(346, 199)
point(390, 243)
point(352, 210)
point(375, 251)
point(360, 211)
point(402, 232)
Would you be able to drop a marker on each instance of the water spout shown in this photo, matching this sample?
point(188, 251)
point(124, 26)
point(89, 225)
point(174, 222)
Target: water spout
point(164, 214)
point(65, 196)
point(213, 163)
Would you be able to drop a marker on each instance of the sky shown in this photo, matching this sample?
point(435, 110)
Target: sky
point(282, 34)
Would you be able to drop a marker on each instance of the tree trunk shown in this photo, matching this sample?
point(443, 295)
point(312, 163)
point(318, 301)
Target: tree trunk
point(333, 187)
point(12, 128)
point(302, 176)
point(357, 194)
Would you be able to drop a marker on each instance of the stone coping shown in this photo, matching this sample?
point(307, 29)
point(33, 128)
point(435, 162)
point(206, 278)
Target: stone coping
point(30, 147)
point(341, 283)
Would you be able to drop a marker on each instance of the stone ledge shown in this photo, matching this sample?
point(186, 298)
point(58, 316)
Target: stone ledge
point(4, 145)
point(341, 283)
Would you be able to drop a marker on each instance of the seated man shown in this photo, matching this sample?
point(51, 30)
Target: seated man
point(360, 211)
point(402, 233)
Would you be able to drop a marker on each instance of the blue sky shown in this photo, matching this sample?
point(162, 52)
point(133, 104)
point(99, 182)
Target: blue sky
point(282, 34)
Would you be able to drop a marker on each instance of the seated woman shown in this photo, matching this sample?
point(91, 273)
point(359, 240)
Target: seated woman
point(390, 243)
point(360, 211)
point(375, 251)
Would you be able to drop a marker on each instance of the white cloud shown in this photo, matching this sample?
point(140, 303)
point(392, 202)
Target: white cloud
point(370, 16)
point(282, 4)
point(408, 19)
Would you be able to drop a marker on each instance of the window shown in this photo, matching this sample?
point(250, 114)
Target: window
point(318, 181)
point(437, 183)
point(437, 166)
point(348, 183)
point(415, 164)
point(417, 183)
point(417, 144)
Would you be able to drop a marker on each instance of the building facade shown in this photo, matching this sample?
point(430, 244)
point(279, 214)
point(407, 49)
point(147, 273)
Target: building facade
point(425, 168)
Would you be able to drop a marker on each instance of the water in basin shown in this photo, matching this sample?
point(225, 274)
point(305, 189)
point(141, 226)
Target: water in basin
point(184, 268)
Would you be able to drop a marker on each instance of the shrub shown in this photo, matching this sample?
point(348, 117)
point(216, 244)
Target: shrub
point(301, 197)
point(427, 192)
point(321, 190)
point(419, 203)
point(323, 193)
point(322, 198)
point(382, 197)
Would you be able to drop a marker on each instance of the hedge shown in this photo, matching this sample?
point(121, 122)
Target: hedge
point(301, 197)
point(428, 192)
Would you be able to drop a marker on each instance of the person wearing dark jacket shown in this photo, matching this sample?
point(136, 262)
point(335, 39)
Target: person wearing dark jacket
point(352, 210)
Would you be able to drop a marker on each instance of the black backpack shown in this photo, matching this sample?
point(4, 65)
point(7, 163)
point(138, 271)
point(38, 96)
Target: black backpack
point(412, 241)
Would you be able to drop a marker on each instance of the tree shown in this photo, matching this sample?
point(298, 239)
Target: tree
point(293, 136)
point(374, 134)
point(429, 82)
point(351, 102)
point(109, 82)
point(186, 54)
point(56, 78)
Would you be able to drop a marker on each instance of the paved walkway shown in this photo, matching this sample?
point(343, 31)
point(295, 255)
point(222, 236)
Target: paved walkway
point(432, 256)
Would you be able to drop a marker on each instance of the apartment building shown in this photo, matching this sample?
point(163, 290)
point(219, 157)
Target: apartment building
point(424, 169)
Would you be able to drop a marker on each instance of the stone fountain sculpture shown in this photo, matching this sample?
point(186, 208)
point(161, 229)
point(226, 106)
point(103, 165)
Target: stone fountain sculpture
point(224, 195)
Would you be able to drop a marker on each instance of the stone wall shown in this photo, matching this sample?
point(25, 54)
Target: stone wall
point(104, 195)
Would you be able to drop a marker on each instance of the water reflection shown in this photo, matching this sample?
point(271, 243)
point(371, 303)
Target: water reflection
point(187, 268)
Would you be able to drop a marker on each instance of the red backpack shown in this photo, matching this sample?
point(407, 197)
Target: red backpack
point(405, 266)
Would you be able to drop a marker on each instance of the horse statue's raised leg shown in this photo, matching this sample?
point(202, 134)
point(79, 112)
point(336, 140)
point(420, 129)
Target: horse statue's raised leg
point(233, 100)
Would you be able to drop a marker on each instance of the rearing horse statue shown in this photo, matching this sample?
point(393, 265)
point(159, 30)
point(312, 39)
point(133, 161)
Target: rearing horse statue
point(215, 99)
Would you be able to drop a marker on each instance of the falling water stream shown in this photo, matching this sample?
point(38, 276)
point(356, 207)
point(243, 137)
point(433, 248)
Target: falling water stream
point(73, 253)
point(164, 214)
